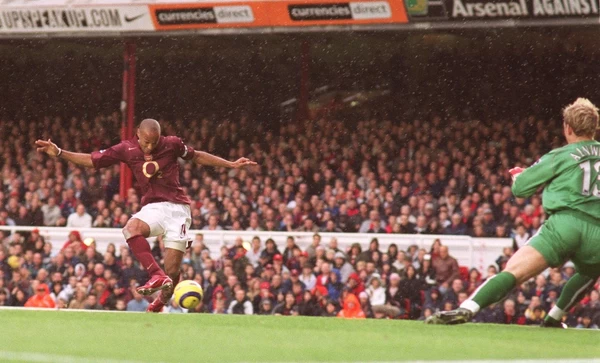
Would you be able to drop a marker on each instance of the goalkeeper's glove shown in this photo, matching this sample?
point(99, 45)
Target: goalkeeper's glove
point(514, 172)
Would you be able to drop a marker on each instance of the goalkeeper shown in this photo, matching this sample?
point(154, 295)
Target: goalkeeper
point(571, 198)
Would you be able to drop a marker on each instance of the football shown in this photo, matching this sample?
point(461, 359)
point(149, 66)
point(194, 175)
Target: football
point(188, 294)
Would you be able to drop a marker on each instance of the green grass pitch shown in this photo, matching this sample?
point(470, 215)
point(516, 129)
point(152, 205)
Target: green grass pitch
point(118, 337)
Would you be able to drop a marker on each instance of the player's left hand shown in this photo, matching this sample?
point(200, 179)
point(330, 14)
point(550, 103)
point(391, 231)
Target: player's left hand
point(241, 162)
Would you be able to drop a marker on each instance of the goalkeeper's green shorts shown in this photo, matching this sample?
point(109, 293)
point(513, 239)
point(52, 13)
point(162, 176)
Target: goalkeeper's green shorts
point(570, 235)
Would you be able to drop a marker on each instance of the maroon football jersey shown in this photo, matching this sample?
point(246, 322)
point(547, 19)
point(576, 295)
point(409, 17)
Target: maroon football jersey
point(157, 174)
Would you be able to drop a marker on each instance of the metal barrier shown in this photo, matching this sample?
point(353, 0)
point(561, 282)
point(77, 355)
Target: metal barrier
point(469, 251)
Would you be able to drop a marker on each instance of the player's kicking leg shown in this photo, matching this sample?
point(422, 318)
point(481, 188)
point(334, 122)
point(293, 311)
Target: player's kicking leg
point(136, 231)
point(173, 258)
point(177, 222)
point(526, 263)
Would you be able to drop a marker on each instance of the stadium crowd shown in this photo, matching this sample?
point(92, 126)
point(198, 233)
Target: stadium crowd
point(440, 176)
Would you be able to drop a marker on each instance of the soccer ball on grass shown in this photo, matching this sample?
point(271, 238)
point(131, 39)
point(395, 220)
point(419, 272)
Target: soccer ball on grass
point(188, 294)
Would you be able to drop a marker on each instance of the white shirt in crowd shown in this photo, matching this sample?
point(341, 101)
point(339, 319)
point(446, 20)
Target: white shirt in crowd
point(77, 221)
point(521, 240)
point(253, 257)
point(51, 214)
point(248, 308)
point(309, 281)
point(376, 295)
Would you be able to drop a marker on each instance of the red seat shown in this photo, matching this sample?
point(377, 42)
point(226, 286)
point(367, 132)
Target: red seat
point(464, 273)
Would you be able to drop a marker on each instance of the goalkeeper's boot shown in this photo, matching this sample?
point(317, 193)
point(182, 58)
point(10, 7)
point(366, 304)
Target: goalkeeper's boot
point(452, 317)
point(156, 283)
point(157, 305)
point(551, 323)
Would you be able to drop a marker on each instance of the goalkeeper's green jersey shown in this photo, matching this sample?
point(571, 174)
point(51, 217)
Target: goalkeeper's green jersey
point(572, 177)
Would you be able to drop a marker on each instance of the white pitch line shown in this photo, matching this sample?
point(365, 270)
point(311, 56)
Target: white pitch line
point(57, 358)
point(567, 360)
point(18, 308)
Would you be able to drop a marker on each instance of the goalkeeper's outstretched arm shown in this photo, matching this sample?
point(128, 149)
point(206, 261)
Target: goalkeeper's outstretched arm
point(527, 181)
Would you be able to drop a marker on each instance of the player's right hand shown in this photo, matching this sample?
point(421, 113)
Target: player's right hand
point(514, 172)
point(47, 147)
point(241, 162)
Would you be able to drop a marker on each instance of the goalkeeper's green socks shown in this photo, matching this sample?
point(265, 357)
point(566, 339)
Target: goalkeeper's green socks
point(574, 290)
point(492, 290)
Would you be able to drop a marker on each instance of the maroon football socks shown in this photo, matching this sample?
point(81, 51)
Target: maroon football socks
point(141, 250)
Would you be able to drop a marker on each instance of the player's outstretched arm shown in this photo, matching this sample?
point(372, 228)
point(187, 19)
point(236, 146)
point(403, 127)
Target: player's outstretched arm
point(527, 181)
point(204, 158)
point(51, 149)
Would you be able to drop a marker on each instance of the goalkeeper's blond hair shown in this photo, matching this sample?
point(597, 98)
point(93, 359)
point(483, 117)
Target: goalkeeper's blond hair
point(582, 116)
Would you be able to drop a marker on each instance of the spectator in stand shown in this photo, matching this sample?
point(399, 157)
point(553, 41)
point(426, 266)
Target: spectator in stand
point(501, 261)
point(355, 285)
point(530, 313)
point(78, 301)
point(138, 303)
point(312, 249)
point(452, 294)
point(254, 254)
point(568, 270)
point(457, 227)
point(334, 285)
point(307, 277)
point(266, 307)
point(287, 307)
point(410, 288)
point(174, 308)
point(586, 322)
point(374, 223)
point(267, 255)
point(404, 225)
point(212, 224)
point(308, 225)
point(79, 219)
point(376, 293)
point(288, 252)
point(41, 299)
point(474, 281)
point(540, 289)
point(241, 304)
point(520, 236)
point(18, 297)
point(74, 242)
point(51, 212)
point(393, 294)
point(509, 315)
point(365, 305)
point(446, 268)
point(351, 309)
point(344, 267)
point(91, 303)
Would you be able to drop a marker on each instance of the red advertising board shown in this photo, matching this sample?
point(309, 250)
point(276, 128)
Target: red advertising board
point(276, 14)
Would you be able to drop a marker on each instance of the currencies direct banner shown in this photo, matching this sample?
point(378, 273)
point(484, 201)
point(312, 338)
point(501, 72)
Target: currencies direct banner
point(335, 12)
point(209, 15)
